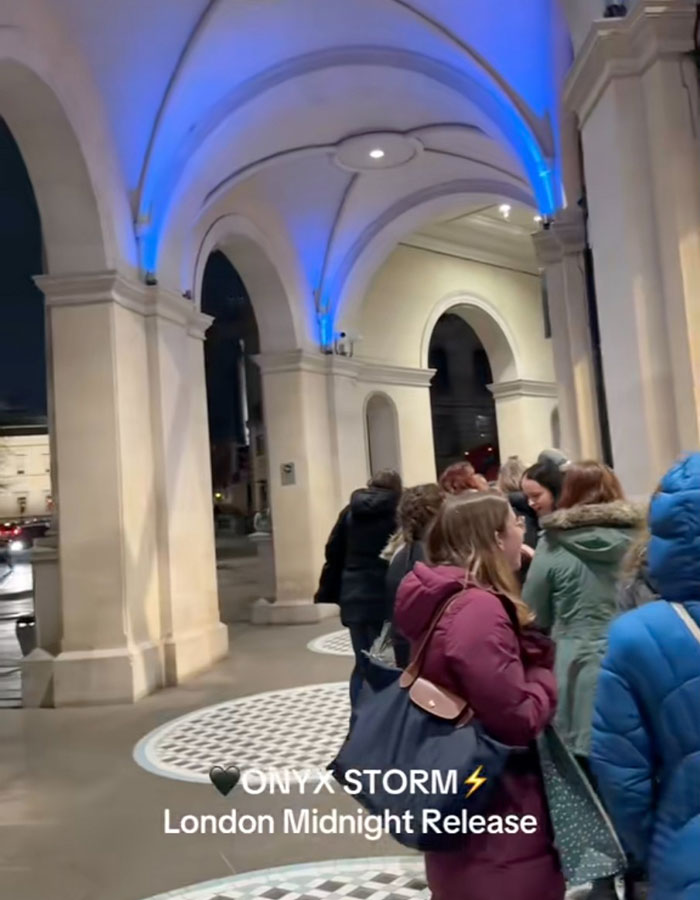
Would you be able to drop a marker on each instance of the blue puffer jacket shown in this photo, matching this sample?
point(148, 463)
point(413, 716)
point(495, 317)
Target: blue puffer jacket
point(646, 729)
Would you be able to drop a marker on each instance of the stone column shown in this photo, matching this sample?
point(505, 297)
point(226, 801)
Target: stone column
point(635, 92)
point(193, 637)
point(303, 481)
point(137, 574)
point(110, 646)
point(560, 252)
point(524, 415)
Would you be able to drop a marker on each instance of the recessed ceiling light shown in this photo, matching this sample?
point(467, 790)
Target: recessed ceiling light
point(377, 153)
point(504, 209)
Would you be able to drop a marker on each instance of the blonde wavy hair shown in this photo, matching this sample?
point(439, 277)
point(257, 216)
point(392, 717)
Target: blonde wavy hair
point(464, 535)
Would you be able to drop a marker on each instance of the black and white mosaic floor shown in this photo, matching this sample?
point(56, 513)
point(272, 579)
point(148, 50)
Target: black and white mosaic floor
point(337, 643)
point(390, 878)
point(298, 728)
point(377, 878)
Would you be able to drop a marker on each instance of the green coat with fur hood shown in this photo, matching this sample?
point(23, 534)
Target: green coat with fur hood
point(571, 587)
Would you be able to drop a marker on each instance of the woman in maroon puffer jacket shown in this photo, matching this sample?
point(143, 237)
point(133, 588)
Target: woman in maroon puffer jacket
point(485, 650)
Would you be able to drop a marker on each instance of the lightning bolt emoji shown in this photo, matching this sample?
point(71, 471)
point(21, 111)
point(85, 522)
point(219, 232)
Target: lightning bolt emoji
point(475, 781)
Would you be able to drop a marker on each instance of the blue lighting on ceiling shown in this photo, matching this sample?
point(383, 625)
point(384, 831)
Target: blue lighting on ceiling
point(326, 331)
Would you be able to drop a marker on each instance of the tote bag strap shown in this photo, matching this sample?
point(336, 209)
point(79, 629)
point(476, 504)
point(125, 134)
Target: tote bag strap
point(689, 621)
point(412, 671)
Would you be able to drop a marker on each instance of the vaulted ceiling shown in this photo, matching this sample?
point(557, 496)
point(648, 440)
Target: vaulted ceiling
point(278, 110)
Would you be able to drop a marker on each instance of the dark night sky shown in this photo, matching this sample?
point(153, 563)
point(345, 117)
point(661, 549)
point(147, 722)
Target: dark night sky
point(22, 352)
point(224, 297)
point(22, 360)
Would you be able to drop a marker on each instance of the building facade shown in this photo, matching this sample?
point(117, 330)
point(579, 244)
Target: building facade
point(25, 476)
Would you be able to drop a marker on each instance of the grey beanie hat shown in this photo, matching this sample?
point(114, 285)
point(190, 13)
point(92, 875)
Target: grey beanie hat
point(557, 457)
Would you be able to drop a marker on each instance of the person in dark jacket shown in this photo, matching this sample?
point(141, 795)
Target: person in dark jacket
point(510, 483)
point(354, 574)
point(542, 485)
point(417, 509)
point(646, 726)
point(484, 649)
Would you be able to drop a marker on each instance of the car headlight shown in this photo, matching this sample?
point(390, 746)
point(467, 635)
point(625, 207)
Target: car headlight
point(16, 546)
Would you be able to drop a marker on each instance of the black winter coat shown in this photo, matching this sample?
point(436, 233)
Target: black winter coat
point(401, 565)
point(521, 507)
point(354, 573)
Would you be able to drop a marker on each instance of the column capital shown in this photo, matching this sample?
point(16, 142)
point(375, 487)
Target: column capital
point(569, 229)
point(363, 370)
point(297, 360)
point(565, 236)
point(111, 286)
point(523, 387)
point(620, 48)
point(547, 247)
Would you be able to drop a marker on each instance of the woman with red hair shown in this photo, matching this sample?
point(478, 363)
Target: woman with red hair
point(461, 477)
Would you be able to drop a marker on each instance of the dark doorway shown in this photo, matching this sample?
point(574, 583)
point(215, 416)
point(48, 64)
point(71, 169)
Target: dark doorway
point(463, 409)
point(234, 397)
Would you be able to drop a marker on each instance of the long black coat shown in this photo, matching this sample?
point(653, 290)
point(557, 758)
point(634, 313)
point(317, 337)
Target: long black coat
point(354, 574)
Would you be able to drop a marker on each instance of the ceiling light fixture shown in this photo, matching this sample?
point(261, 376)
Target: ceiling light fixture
point(504, 209)
point(377, 153)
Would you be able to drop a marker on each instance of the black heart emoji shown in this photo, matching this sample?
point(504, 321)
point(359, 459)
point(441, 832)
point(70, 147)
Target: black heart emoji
point(224, 780)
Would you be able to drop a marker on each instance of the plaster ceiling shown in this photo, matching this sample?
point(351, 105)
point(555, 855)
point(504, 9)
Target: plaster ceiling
point(247, 106)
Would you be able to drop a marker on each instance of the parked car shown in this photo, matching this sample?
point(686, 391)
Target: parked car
point(20, 536)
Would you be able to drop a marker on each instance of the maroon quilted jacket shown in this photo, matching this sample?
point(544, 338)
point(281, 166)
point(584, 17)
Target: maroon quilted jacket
point(507, 678)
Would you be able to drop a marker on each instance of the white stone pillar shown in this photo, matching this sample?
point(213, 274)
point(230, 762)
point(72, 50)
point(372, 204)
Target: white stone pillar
point(560, 252)
point(524, 417)
point(193, 636)
point(110, 647)
point(636, 96)
point(137, 573)
point(303, 481)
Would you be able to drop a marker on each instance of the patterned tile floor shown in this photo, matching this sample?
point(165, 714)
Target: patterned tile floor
point(377, 878)
point(337, 643)
point(389, 878)
point(298, 728)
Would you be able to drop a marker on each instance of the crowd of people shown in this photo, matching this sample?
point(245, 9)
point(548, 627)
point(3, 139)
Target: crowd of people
point(566, 605)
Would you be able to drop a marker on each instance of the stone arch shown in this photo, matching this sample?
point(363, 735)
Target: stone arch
point(490, 327)
point(77, 233)
point(382, 433)
point(377, 241)
point(248, 250)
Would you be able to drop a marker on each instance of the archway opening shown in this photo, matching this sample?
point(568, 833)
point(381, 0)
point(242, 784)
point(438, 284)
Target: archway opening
point(234, 398)
point(382, 434)
point(25, 466)
point(463, 408)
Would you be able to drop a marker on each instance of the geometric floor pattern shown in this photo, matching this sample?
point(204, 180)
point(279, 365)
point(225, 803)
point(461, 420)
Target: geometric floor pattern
point(377, 878)
point(337, 643)
point(389, 878)
point(299, 728)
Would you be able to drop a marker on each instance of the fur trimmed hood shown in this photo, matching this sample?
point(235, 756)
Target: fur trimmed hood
point(598, 533)
point(618, 514)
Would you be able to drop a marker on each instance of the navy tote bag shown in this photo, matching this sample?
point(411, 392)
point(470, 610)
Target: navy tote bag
point(410, 728)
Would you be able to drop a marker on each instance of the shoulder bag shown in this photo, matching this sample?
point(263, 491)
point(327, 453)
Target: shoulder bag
point(414, 726)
